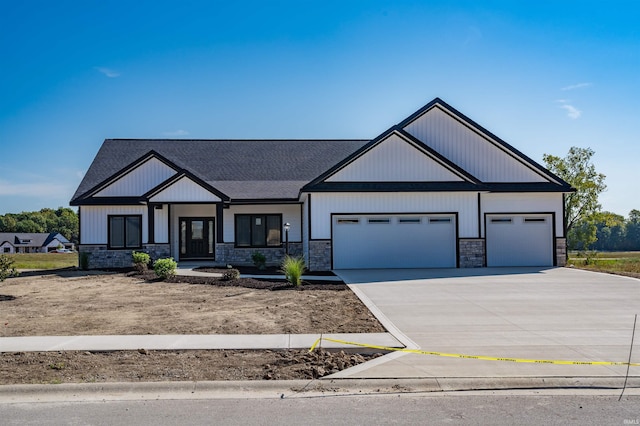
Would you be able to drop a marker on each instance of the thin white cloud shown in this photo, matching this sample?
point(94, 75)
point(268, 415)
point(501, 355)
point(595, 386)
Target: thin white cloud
point(577, 86)
point(572, 112)
point(108, 72)
point(176, 133)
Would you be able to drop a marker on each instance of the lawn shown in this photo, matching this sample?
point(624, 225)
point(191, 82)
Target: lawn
point(44, 260)
point(623, 263)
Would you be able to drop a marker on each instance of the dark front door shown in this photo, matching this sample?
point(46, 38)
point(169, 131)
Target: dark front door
point(197, 238)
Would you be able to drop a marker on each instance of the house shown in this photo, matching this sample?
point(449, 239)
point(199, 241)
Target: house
point(434, 191)
point(21, 242)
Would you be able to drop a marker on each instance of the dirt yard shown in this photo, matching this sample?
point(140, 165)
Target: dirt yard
point(81, 303)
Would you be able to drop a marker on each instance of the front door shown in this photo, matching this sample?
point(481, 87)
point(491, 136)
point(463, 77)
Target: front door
point(197, 239)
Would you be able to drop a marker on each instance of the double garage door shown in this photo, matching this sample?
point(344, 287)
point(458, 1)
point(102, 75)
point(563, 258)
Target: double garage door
point(519, 240)
point(430, 240)
point(394, 241)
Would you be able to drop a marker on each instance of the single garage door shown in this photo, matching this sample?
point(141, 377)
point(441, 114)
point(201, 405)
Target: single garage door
point(394, 241)
point(519, 240)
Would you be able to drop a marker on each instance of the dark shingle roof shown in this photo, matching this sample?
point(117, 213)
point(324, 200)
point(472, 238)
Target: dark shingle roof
point(242, 169)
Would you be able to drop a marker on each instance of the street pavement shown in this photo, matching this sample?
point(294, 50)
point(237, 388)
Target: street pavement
point(527, 313)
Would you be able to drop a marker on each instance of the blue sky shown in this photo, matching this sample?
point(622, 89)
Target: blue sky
point(544, 76)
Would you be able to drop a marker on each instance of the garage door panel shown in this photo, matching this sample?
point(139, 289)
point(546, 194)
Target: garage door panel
point(519, 240)
point(394, 242)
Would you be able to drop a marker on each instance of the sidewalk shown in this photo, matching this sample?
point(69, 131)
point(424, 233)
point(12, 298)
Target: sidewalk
point(192, 341)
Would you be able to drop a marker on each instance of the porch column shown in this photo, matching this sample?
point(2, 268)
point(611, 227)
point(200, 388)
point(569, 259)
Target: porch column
point(219, 223)
point(151, 223)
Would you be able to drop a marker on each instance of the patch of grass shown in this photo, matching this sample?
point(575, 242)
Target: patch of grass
point(614, 262)
point(44, 260)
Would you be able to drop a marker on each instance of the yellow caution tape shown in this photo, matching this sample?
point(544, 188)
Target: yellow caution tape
point(481, 357)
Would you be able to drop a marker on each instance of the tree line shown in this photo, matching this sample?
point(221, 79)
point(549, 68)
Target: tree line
point(588, 227)
point(63, 220)
point(606, 231)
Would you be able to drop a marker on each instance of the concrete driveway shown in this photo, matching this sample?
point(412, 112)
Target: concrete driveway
point(532, 313)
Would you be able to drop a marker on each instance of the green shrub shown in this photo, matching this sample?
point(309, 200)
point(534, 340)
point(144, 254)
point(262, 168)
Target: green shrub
point(259, 260)
point(165, 268)
point(84, 260)
point(140, 260)
point(231, 274)
point(6, 268)
point(293, 268)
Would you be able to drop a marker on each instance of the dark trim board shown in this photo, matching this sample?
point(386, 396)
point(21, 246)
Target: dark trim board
point(553, 230)
point(455, 214)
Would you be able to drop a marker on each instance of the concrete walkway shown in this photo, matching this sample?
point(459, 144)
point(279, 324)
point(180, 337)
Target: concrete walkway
point(527, 313)
point(184, 342)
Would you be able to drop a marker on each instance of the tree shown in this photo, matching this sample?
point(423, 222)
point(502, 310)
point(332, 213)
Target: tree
point(633, 230)
point(578, 170)
point(611, 231)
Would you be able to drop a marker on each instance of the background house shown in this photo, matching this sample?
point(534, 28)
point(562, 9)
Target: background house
point(11, 243)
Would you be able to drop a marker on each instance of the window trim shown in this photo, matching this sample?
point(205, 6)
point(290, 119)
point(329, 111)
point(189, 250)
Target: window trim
point(252, 217)
point(124, 216)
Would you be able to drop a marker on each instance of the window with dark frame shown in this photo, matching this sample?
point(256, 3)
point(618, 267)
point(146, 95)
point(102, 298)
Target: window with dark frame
point(125, 231)
point(258, 230)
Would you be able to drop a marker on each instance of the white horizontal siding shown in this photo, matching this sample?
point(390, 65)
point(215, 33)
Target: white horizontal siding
point(524, 203)
point(184, 190)
point(93, 223)
point(394, 160)
point(324, 204)
point(291, 213)
point(140, 180)
point(466, 148)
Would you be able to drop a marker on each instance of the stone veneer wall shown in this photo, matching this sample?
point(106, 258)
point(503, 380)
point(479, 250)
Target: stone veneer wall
point(227, 253)
point(320, 255)
point(561, 251)
point(101, 257)
point(472, 253)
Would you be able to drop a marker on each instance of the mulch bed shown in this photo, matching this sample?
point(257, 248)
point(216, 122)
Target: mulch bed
point(268, 270)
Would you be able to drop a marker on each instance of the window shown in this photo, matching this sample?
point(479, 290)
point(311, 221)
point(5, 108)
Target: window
point(534, 219)
point(501, 220)
point(258, 230)
point(348, 221)
point(125, 231)
point(7, 249)
point(439, 220)
point(381, 220)
point(409, 220)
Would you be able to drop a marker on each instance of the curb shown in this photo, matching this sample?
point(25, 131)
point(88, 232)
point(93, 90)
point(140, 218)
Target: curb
point(76, 392)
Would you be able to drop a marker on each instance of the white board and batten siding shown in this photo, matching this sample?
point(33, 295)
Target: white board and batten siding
point(323, 205)
point(184, 190)
point(394, 241)
point(138, 181)
point(291, 213)
point(525, 203)
point(394, 160)
point(94, 227)
point(161, 225)
point(468, 149)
